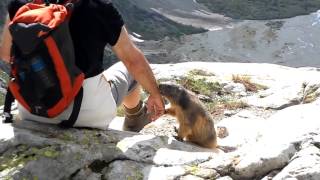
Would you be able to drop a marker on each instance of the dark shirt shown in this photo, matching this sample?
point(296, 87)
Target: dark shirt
point(93, 25)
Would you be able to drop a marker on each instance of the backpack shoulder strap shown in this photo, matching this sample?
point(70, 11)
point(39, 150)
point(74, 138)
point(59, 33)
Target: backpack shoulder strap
point(7, 116)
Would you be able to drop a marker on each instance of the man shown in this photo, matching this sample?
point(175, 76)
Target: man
point(93, 25)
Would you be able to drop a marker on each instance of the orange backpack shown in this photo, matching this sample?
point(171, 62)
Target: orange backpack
point(44, 77)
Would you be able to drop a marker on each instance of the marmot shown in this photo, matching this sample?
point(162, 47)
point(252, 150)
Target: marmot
point(195, 123)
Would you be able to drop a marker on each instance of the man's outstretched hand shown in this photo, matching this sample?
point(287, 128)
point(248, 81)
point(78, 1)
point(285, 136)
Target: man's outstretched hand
point(155, 106)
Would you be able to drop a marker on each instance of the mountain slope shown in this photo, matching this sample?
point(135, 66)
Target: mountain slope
point(150, 24)
point(262, 9)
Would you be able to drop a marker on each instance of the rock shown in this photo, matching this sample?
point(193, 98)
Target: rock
point(235, 88)
point(162, 150)
point(159, 173)
point(202, 172)
point(304, 165)
point(281, 98)
point(241, 130)
point(165, 126)
point(229, 113)
point(225, 178)
point(190, 177)
point(125, 170)
point(87, 174)
point(261, 159)
point(138, 171)
point(271, 175)
point(222, 132)
point(29, 149)
point(46, 152)
point(292, 124)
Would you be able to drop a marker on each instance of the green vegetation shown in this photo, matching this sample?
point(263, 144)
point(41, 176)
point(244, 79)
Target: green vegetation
point(66, 136)
point(23, 154)
point(246, 81)
point(200, 72)
point(120, 111)
point(193, 169)
point(198, 83)
point(262, 9)
point(225, 103)
point(310, 94)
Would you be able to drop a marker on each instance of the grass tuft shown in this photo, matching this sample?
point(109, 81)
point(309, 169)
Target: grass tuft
point(247, 82)
point(197, 82)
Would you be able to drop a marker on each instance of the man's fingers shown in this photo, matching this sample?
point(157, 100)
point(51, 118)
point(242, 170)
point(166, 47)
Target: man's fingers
point(155, 108)
point(159, 111)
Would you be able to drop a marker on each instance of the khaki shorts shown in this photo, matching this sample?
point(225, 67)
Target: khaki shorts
point(122, 82)
point(101, 96)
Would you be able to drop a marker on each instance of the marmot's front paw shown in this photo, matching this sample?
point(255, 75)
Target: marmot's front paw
point(176, 130)
point(178, 138)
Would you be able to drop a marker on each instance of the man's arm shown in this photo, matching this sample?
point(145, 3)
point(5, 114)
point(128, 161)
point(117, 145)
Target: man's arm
point(139, 67)
point(5, 45)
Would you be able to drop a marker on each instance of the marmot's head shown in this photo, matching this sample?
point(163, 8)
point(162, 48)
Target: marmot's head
point(174, 93)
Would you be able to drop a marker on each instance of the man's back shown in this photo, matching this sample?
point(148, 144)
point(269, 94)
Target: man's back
point(93, 25)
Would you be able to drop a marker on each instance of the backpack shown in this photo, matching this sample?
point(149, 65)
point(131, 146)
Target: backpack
point(44, 77)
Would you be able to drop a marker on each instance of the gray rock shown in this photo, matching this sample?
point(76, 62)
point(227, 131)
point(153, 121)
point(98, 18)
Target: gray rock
point(235, 88)
point(281, 98)
point(241, 130)
point(225, 178)
point(162, 150)
point(223, 164)
point(190, 177)
point(126, 170)
point(304, 165)
point(202, 172)
point(47, 152)
point(87, 174)
point(261, 159)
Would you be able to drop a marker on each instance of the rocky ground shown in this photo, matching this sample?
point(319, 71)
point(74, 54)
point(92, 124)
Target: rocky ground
point(275, 136)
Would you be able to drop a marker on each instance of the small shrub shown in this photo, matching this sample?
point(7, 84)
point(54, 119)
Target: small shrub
point(197, 81)
point(310, 94)
point(200, 72)
point(246, 81)
point(223, 103)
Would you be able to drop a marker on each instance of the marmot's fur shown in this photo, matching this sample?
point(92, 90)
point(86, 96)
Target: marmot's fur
point(195, 123)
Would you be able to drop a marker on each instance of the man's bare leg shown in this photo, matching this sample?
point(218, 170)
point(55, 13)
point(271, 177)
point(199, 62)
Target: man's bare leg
point(133, 99)
point(135, 111)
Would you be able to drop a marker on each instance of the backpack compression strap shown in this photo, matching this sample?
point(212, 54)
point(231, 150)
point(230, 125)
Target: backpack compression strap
point(75, 111)
point(7, 116)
